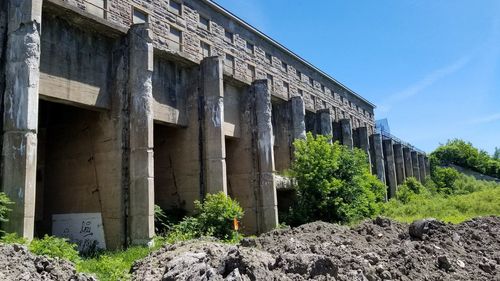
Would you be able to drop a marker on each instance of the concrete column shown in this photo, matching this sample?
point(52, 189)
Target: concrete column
point(266, 190)
point(427, 166)
point(400, 163)
point(378, 153)
point(346, 132)
point(390, 168)
point(20, 116)
point(298, 117)
point(415, 165)
point(421, 163)
point(407, 159)
point(214, 151)
point(141, 205)
point(364, 142)
point(324, 122)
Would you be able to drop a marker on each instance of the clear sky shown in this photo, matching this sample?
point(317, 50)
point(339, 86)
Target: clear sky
point(431, 66)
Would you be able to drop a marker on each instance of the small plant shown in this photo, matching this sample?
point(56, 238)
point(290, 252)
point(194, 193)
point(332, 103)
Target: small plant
point(55, 247)
point(409, 189)
point(5, 204)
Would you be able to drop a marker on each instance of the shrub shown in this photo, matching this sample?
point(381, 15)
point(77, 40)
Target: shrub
point(13, 238)
point(444, 179)
point(5, 204)
point(214, 217)
point(334, 183)
point(409, 189)
point(55, 247)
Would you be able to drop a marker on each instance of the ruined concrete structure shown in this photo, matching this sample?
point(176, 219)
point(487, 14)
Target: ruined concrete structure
point(112, 106)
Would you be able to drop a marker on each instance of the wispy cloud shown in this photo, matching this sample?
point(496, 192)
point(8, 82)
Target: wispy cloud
point(485, 119)
point(423, 84)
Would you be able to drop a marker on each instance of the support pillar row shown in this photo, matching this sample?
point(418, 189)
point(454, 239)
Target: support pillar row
point(415, 165)
point(407, 160)
point(20, 115)
point(378, 153)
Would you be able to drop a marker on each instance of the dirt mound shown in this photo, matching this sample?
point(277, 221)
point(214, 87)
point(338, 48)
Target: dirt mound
point(17, 263)
point(375, 250)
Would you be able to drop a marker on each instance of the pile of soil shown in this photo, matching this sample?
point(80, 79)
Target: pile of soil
point(18, 263)
point(375, 250)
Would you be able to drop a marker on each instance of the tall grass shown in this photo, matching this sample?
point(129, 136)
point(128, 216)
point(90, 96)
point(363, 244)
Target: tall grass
point(453, 208)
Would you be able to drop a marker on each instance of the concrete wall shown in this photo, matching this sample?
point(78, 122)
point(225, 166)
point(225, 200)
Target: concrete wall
point(75, 64)
point(282, 120)
point(80, 172)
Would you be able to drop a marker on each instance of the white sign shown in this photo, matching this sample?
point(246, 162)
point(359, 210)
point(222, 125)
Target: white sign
point(85, 230)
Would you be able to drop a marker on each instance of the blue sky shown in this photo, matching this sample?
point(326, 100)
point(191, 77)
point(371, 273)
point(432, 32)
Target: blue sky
point(431, 66)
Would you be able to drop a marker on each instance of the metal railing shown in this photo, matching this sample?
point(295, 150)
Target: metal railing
point(386, 136)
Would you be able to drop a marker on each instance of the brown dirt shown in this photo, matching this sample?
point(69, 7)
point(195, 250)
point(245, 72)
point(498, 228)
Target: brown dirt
point(375, 250)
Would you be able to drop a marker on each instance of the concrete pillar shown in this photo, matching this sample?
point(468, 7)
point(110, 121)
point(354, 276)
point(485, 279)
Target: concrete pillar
point(20, 116)
point(141, 205)
point(214, 147)
point(298, 117)
point(407, 160)
point(324, 122)
point(346, 132)
point(378, 153)
point(390, 168)
point(427, 166)
point(400, 163)
point(415, 165)
point(364, 142)
point(421, 163)
point(266, 190)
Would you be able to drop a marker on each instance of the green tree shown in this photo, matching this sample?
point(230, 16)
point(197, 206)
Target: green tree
point(334, 183)
point(496, 154)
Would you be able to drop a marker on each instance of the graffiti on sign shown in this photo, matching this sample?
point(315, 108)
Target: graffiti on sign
point(85, 230)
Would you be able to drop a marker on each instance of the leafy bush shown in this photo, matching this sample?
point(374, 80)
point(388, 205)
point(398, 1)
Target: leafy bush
point(5, 204)
point(464, 154)
point(334, 183)
point(13, 238)
point(214, 217)
point(409, 189)
point(55, 247)
point(444, 179)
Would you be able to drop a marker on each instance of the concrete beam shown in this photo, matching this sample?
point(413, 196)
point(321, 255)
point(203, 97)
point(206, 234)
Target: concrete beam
point(298, 117)
point(364, 143)
point(390, 168)
point(415, 165)
point(407, 160)
point(267, 199)
point(212, 81)
point(400, 163)
point(20, 116)
point(324, 122)
point(378, 153)
point(346, 132)
point(141, 194)
point(421, 163)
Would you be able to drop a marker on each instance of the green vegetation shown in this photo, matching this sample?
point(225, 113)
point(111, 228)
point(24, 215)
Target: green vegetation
point(5, 204)
point(453, 208)
point(496, 154)
point(214, 217)
point(464, 154)
point(334, 183)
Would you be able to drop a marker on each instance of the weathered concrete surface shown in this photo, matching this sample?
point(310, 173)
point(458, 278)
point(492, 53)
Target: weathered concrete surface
point(20, 116)
point(268, 203)
point(427, 166)
point(298, 117)
point(421, 164)
point(214, 150)
point(364, 143)
point(407, 160)
point(390, 168)
point(378, 156)
point(324, 125)
point(141, 202)
point(346, 132)
point(282, 130)
point(400, 163)
point(416, 165)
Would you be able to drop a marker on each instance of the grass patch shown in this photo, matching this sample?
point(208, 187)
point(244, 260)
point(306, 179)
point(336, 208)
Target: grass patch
point(453, 208)
point(112, 266)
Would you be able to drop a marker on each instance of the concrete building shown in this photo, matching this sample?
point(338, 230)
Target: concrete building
point(112, 106)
